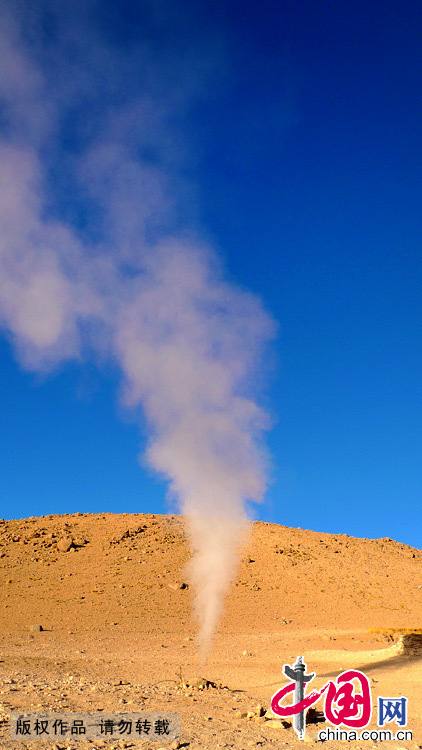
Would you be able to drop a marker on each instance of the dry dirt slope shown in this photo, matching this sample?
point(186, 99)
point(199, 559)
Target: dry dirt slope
point(105, 589)
point(120, 569)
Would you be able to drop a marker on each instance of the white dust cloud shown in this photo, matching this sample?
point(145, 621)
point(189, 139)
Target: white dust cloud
point(139, 286)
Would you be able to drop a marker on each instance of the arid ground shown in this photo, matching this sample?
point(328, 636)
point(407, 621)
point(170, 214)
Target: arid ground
point(118, 635)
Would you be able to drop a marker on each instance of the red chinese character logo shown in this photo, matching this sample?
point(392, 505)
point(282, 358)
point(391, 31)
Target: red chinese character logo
point(345, 706)
point(347, 701)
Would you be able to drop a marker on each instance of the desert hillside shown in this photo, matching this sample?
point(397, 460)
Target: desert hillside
point(83, 571)
point(96, 610)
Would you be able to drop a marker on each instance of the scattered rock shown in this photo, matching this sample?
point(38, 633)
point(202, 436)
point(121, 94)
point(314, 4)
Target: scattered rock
point(269, 717)
point(65, 544)
point(197, 683)
point(313, 716)
point(278, 724)
point(201, 683)
point(36, 628)
point(177, 586)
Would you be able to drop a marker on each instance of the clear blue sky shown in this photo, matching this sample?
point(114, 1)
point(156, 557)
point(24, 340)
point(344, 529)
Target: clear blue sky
point(305, 157)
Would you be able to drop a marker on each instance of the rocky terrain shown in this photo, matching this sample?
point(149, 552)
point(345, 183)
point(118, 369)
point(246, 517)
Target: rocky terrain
point(96, 616)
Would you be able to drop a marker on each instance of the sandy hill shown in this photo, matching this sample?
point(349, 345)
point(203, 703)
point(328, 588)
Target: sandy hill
point(106, 591)
point(83, 571)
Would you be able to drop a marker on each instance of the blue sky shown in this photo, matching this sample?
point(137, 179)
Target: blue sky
point(300, 161)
